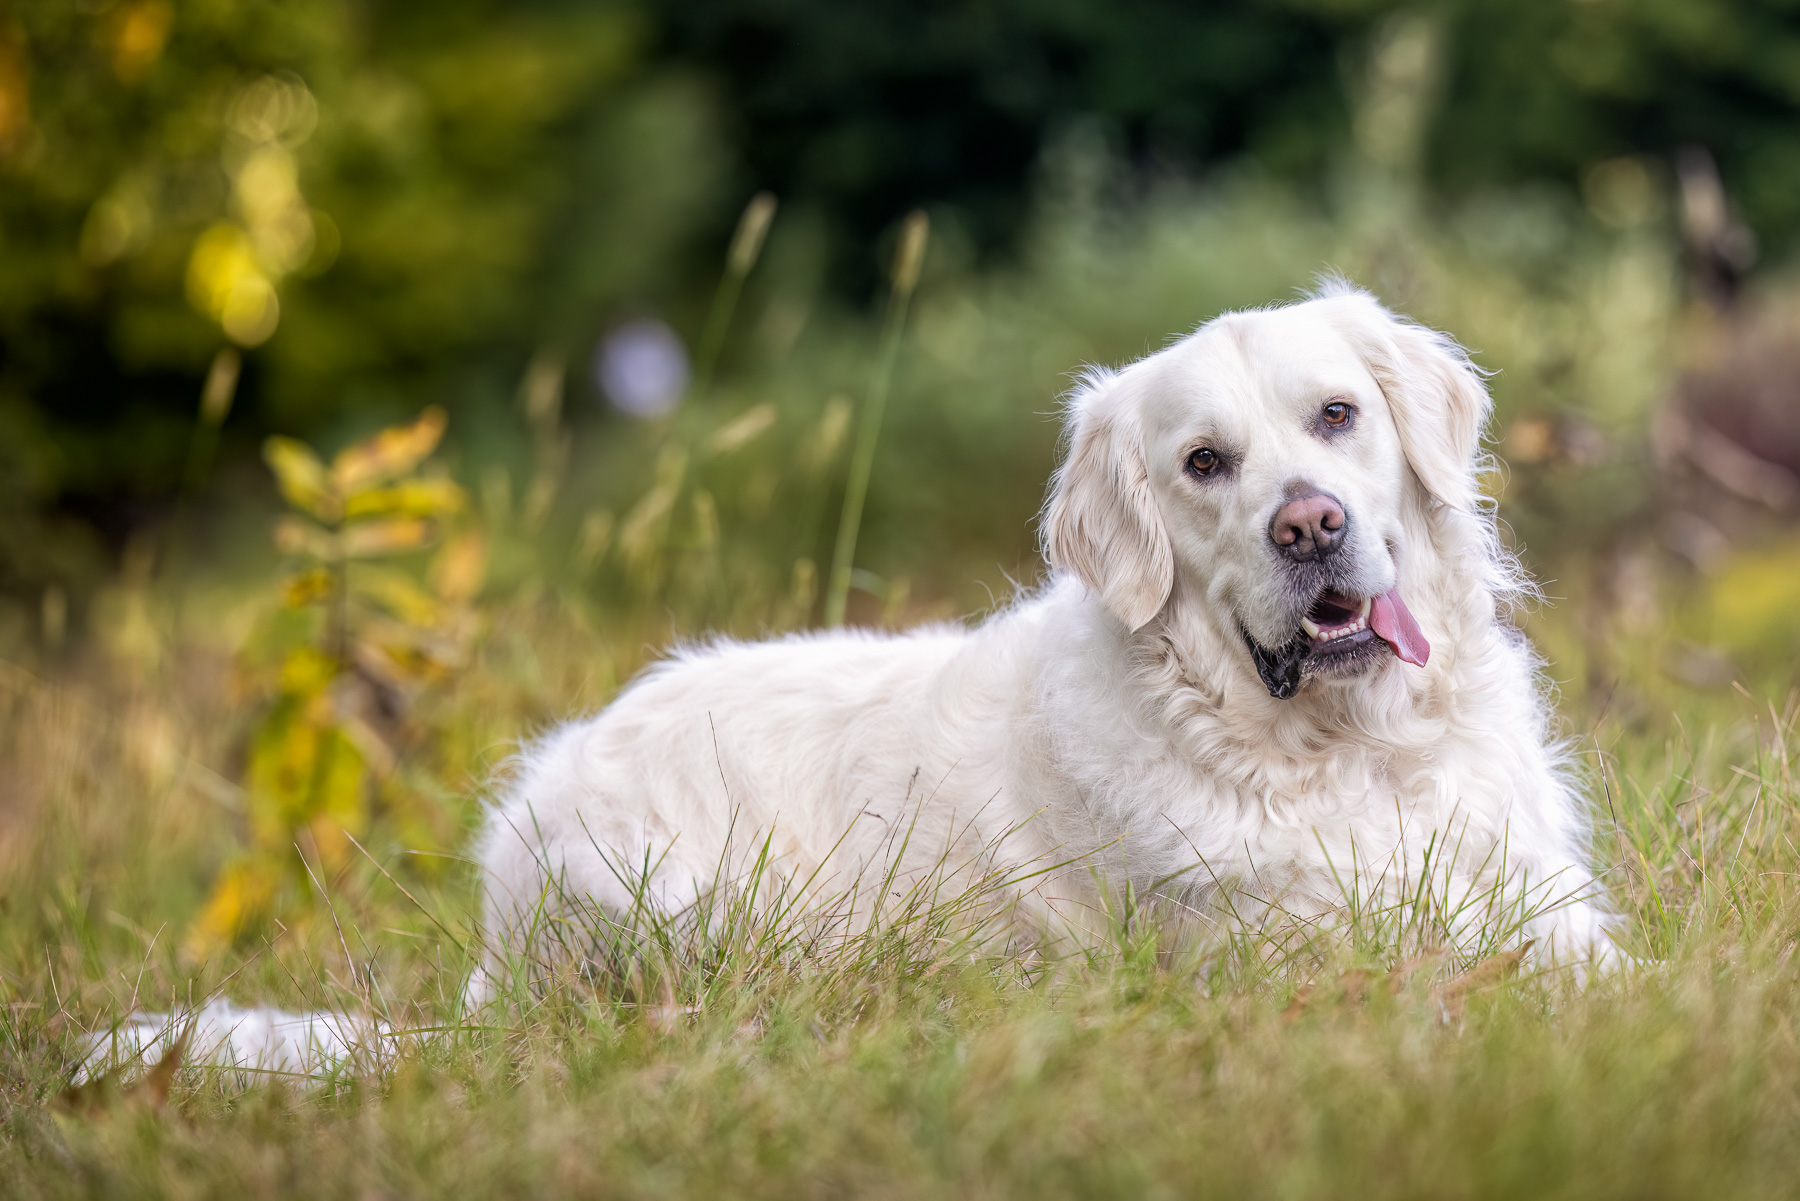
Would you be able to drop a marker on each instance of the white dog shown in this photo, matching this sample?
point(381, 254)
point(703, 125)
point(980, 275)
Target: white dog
point(1271, 669)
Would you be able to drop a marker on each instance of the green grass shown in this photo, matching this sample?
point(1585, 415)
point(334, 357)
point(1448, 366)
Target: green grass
point(1369, 1061)
point(904, 1062)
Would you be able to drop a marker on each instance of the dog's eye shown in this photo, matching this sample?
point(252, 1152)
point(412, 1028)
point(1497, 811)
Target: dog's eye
point(1203, 462)
point(1337, 414)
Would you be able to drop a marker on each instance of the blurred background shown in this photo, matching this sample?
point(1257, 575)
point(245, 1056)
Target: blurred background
point(647, 269)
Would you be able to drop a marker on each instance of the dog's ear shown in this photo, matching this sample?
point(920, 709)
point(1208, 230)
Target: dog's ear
point(1437, 396)
point(1101, 521)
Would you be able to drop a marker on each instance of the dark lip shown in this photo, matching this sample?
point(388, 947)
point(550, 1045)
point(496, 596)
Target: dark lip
point(1338, 648)
point(1280, 667)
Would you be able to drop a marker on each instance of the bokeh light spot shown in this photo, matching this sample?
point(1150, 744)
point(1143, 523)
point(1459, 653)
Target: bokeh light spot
point(642, 368)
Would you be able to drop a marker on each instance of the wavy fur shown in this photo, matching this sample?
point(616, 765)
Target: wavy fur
point(1111, 721)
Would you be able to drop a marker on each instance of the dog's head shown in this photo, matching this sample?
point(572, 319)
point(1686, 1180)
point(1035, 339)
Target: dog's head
point(1272, 464)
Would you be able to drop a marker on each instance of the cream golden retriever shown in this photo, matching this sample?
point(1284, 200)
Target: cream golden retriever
point(1270, 674)
point(1270, 671)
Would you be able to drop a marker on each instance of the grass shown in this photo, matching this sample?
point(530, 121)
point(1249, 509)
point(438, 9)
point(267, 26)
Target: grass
point(901, 1062)
point(908, 1060)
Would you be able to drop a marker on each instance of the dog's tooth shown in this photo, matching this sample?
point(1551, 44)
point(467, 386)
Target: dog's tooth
point(1310, 626)
point(1367, 604)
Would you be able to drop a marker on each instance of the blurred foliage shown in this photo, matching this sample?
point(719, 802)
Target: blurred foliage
point(373, 196)
point(863, 109)
point(859, 111)
point(355, 639)
point(378, 205)
point(1553, 90)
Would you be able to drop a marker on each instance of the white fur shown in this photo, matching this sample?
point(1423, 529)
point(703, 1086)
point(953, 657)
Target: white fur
point(255, 1042)
point(1113, 722)
point(1114, 718)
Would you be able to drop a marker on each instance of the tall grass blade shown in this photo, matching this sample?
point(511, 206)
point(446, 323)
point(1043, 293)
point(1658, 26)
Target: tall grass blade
point(746, 248)
point(907, 261)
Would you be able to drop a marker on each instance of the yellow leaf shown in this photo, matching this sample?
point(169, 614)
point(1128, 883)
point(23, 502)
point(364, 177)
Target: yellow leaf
point(458, 569)
point(339, 798)
point(400, 656)
point(390, 454)
point(306, 672)
point(398, 594)
point(308, 586)
point(242, 893)
point(300, 537)
point(302, 477)
point(386, 537)
point(283, 756)
point(304, 770)
point(408, 498)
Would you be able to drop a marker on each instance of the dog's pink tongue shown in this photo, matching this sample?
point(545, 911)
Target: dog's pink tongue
point(1394, 624)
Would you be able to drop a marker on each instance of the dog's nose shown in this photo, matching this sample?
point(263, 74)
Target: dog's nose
point(1308, 527)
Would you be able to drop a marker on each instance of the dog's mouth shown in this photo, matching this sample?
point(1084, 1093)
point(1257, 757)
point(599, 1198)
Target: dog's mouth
point(1335, 617)
point(1341, 635)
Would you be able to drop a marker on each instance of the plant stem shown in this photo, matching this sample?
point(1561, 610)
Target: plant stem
point(862, 459)
point(203, 444)
point(746, 246)
point(215, 406)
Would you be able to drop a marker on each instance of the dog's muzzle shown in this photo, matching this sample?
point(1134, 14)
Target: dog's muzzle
point(1340, 632)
